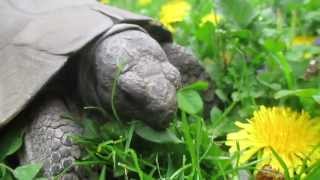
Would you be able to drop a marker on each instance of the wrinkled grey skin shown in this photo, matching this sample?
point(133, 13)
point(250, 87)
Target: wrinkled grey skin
point(147, 82)
point(145, 90)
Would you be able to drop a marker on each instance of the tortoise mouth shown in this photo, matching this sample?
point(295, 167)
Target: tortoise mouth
point(157, 120)
point(163, 121)
point(157, 117)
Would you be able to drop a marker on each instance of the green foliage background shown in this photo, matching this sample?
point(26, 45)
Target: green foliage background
point(252, 61)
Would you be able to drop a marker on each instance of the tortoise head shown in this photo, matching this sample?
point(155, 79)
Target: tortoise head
point(146, 82)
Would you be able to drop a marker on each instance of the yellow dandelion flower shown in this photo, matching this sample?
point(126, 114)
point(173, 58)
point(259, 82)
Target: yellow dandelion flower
point(303, 40)
point(144, 2)
point(104, 1)
point(211, 18)
point(172, 12)
point(294, 136)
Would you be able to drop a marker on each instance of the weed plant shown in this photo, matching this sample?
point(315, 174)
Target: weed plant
point(256, 52)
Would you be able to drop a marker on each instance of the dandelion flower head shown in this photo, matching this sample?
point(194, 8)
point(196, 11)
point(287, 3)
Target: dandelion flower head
point(174, 11)
point(211, 18)
point(303, 40)
point(294, 136)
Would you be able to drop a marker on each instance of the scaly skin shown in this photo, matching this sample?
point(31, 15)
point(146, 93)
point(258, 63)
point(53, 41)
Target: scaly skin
point(47, 138)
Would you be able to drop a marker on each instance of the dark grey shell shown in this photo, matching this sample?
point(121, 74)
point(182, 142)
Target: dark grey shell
point(38, 36)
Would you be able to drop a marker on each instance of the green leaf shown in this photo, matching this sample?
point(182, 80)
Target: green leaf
point(91, 129)
point(306, 93)
point(10, 142)
point(199, 85)
point(274, 45)
point(152, 135)
point(314, 174)
point(5, 174)
point(204, 34)
point(190, 101)
point(285, 67)
point(27, 172)
point(282, 163)
point(316, 98)
point(113, 129)
point(103, 173)
point(271, 85)
point(215, 114)
point(240, 12)
point(222, 96)
point(242, 33)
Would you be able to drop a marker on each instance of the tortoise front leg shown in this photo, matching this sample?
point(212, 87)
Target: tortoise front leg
point(190, 70)
point(47, 138)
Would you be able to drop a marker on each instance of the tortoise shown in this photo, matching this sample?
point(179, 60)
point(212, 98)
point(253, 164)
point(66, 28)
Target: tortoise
point(58, 56)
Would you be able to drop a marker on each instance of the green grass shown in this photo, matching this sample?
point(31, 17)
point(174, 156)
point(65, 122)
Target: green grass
point(251, 60)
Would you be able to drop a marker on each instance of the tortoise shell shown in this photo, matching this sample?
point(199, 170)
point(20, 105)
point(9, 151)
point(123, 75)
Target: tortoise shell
point(37, 38)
